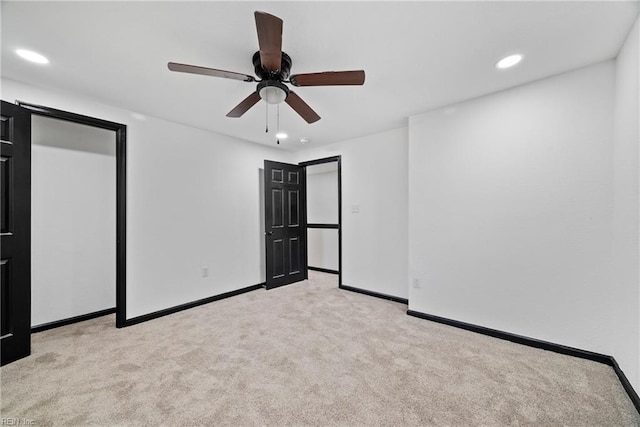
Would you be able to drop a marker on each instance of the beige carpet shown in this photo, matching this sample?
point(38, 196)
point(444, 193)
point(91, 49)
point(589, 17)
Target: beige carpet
point(304, 354)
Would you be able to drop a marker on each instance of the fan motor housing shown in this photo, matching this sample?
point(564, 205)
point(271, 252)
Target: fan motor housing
point(283, 74)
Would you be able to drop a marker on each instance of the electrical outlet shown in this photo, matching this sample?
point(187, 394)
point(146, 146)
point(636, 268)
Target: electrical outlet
point(205, 271)
point(416, 283)
point(355, 208)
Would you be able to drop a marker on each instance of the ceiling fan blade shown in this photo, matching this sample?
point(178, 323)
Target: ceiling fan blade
point(329, 78)
point(244, 106)
point(194, 69)
point(269, 29)
point(302, 108)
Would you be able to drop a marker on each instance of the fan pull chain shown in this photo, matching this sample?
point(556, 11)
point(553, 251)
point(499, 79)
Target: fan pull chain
point(266, 126)
point(278, 123)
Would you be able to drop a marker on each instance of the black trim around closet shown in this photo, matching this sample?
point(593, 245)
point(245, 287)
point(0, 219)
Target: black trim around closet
point(121, 193)
point(320, 161)
point(339, 228)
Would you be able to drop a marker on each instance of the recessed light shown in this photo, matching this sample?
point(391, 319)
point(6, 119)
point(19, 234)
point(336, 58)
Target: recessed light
point(281, 135)
point(32, 56)
point(509, 61)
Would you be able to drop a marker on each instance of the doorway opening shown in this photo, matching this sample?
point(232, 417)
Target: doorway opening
point(68, 157)
point(324, 215)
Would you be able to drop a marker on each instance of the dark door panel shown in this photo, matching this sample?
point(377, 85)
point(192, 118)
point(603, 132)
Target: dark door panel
point(15, 233)
point(285, 223)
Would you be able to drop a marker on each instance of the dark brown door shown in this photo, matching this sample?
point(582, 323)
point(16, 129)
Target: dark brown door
point(285, 223)
point(15, 233)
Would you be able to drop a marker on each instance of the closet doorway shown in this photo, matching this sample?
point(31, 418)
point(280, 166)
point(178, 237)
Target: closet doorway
point(78, 215)
point(324, 215)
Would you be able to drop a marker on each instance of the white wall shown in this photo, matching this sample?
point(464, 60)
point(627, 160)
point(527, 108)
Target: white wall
point(322, 196)
point(374, 241)
point(510, 210)
point(73, 220)
point(322, 248)
point(625, 283)
point(193, 200)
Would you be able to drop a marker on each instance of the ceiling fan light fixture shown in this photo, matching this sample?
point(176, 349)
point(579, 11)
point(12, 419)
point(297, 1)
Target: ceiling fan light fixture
point(273, 66)
point(273, 92)
point(509, 61)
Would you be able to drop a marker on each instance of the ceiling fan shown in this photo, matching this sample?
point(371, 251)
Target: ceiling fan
point(272, 67)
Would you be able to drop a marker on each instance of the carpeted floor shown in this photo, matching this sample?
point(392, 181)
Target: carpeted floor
point(304, 354)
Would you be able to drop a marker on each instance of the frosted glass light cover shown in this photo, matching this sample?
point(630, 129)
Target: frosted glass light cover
point(272, 94)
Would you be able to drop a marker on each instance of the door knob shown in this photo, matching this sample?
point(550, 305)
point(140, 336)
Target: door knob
point(268, 233)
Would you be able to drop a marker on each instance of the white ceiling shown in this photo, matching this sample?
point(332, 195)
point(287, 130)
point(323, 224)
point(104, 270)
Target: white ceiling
point(417, 55)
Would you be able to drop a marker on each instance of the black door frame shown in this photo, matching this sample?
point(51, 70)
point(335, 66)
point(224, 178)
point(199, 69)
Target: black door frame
point(121, 194)
point(331, 159)
point(15, 337)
